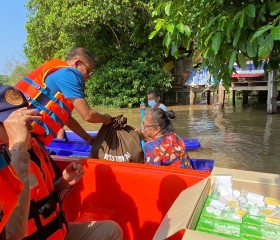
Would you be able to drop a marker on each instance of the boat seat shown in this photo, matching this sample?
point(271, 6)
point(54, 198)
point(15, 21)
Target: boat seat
point(95, 214)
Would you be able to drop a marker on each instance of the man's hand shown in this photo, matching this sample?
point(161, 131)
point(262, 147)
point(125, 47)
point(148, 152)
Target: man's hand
point(72, 174)
point(19, 129)
point(107, 119)
point(142, 106)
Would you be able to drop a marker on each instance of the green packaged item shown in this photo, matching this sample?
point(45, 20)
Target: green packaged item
point(230, 216)
point(261, 221)
point(207, 201)
point(228, 213)
point(219, 227)
point(239, 214)
point(249, 232)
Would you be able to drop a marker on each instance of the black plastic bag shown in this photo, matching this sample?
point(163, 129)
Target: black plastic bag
point(117, 142)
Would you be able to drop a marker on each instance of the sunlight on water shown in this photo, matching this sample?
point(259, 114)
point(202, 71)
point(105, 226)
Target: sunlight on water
point(240, 138)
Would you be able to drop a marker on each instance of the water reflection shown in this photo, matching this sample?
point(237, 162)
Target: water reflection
point(240, 138)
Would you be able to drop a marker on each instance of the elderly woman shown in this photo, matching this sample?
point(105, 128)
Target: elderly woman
point(163, 146)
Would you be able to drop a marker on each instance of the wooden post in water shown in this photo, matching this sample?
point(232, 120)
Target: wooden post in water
point(233, 98)
point(271, 93)
point(245, 97)
point(208, 92)
point(192, 96)
point(222, 94)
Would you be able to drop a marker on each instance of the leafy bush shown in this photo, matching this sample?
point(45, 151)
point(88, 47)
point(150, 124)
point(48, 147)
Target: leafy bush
point(125, 80)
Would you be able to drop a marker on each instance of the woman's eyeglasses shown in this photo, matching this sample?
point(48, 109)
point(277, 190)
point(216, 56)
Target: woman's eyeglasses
point(149, 126)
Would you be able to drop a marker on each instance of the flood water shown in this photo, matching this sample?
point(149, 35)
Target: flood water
point(238, 137)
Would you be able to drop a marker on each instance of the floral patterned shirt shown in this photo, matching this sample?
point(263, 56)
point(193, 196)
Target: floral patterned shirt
point(167, 150)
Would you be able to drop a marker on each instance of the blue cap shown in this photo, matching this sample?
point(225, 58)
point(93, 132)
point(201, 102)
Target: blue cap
point(11, 99)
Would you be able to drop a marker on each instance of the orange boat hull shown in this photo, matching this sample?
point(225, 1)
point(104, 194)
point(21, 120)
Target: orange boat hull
point(136, 196)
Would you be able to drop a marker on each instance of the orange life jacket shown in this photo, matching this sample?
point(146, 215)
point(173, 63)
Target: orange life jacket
point(46, 218)
point(55, 109)
point(10, 187)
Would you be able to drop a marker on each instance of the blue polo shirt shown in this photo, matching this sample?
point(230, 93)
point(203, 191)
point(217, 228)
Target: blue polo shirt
point(68, 81)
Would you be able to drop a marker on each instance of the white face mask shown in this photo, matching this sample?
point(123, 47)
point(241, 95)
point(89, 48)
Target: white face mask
point(152, 103)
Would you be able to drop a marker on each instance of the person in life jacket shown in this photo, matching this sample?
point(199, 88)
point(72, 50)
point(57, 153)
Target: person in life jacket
point(44, 218)
point(14, 164)
point(55, 88)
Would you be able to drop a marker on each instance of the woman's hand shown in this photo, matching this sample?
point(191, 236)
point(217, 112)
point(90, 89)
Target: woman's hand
point(142, 135)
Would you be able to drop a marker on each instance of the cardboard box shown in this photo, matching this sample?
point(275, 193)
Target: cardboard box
point(186, 210)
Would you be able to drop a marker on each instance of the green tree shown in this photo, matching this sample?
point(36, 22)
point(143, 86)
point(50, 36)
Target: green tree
point(125, 80)
point(105, 27)
point(220, 32)
point(19, 71)
point(4, 79)
point(17, 68)
point(111, 30)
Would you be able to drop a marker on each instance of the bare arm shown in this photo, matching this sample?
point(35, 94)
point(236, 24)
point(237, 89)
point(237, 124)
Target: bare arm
point(73, 125)
point(70, 176)
point(61, 188)
point(88, 114)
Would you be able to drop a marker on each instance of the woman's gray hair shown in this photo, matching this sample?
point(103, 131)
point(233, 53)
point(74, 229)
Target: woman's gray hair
point(161, 118)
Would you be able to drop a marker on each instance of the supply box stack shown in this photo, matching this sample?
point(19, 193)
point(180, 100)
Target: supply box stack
point(231, 204)
point(239, 214)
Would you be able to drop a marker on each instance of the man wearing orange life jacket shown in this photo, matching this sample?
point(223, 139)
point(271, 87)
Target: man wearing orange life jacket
point(14, 177)
point(46, 219)
point(57, 87)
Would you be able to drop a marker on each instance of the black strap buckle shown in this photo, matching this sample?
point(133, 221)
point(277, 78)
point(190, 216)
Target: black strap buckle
point(45, 206)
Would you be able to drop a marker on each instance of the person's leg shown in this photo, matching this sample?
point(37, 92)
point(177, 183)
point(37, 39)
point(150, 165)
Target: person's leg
point(99, 230)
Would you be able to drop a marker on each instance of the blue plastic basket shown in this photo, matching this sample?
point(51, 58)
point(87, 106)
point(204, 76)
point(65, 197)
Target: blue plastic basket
point(191, 143)
point(205, 165)
point(76, 146)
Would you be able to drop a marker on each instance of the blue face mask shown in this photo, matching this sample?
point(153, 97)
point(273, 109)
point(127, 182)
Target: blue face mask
point(152, 103)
